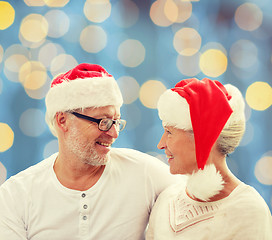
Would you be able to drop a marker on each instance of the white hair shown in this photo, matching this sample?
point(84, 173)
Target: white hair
point(234, 129)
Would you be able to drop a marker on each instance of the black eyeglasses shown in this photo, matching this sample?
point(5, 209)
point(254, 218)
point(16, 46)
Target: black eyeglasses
point(104, 124)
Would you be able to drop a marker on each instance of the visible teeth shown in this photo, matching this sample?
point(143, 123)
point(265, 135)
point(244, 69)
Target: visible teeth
point(169, 156)
point(105, 144)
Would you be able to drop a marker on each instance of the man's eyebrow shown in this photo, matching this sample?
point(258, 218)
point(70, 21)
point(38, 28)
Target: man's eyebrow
point(107, 115)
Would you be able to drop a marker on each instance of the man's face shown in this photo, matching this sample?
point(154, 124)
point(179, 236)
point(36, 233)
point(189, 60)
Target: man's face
point(86, 141)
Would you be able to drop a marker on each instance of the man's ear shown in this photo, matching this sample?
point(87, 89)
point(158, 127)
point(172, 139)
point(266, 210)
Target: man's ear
point(61, 121)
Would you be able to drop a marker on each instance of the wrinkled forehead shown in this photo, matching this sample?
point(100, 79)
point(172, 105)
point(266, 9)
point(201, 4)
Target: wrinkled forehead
point(174, 127)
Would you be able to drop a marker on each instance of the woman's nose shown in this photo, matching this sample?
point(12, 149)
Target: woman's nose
point(161, 144)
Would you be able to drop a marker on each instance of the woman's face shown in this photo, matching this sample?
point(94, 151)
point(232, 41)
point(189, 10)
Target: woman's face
point(179, 147)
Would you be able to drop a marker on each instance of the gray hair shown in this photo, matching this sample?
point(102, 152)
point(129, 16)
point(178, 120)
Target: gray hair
point(52, 122)
point(233, 131)
point(230, 137)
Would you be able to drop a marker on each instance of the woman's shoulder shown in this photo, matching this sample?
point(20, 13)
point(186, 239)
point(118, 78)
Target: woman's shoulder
point(247, 199)
point(173, 191)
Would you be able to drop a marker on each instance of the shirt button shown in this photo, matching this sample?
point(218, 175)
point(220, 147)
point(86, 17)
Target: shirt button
point(85, 206)
point(84, 217)
point(83, 195)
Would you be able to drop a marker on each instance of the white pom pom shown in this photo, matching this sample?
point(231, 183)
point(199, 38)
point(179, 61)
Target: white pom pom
point(205, 183)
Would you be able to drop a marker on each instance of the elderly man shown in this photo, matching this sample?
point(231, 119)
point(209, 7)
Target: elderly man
point(87, 190)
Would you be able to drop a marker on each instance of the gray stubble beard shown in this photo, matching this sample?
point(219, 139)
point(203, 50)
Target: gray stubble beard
point(87, 153)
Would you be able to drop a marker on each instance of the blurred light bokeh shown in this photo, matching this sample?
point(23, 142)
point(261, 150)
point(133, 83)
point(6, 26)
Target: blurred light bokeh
point(147, 46)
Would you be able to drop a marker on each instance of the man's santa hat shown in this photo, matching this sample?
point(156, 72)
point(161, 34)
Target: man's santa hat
point(206, 107)
point(86, 85)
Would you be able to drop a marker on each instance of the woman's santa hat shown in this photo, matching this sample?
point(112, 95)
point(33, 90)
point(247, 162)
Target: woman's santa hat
point(86, 85)
point(206, 107)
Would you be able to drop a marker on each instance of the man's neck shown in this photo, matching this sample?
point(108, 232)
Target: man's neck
point(77, 175)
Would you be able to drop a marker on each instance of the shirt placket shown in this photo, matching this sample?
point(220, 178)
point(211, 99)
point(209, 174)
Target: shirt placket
point(84, 215)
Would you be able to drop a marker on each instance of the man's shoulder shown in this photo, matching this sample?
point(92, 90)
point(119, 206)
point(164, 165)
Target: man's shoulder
point(133, 155)
point(139, 160)
point(128, 151)
point(152, 166)
point(31, 172)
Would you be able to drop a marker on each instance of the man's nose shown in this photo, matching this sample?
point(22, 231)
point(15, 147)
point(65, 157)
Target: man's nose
point(113, 132)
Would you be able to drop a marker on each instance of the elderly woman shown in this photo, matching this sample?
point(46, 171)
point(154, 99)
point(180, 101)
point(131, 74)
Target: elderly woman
point(204, 122)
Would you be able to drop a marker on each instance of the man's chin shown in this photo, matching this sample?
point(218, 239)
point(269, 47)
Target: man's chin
point(97, 160)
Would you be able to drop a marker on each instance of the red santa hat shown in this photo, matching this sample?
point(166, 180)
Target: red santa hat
point(86, 85)
point(206, 107)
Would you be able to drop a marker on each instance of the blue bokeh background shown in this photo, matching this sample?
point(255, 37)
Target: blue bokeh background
point(215, 22)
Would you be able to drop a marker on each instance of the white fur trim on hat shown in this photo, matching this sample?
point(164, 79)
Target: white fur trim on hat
point(174, 110)
point(205, 183)
point(81, 93)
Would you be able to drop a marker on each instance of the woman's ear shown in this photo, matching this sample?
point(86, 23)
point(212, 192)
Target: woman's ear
point(61, 121)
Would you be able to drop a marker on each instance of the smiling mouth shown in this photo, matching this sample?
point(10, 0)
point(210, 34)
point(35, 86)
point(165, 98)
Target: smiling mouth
point(169, 157)
point(104, 144)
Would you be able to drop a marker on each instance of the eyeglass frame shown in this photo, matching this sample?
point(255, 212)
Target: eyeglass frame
point(98, 121)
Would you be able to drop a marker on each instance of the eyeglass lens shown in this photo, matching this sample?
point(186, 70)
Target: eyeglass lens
point(105, 124)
